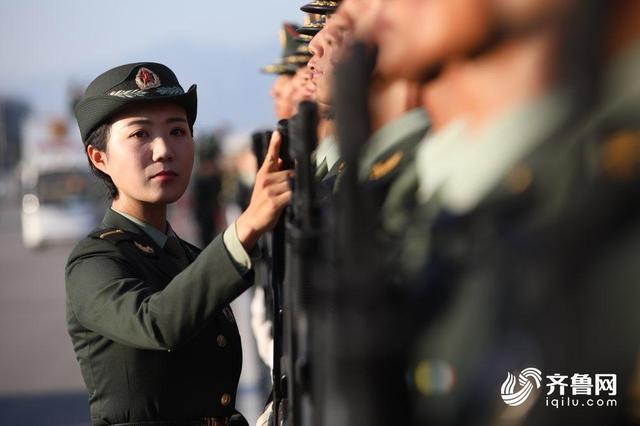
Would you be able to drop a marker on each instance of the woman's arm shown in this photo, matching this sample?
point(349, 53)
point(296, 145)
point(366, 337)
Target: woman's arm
point(105, 296)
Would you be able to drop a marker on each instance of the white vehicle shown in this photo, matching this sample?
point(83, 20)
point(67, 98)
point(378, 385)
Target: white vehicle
point(59, 194)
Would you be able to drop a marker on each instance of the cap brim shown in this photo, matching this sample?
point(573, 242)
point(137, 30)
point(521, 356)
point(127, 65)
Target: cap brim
point(309, 30)
point(279, 68)
point(96, 110)
point(319, 10)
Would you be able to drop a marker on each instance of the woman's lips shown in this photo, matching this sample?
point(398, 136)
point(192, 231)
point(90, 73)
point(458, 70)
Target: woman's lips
point(165, 175)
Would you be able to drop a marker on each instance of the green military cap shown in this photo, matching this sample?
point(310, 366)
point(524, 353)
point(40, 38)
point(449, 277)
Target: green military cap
point(288, 37)
point(321, 7)
point(313, 23)
point(300, 57)
point(304, 38)
point(128, 84)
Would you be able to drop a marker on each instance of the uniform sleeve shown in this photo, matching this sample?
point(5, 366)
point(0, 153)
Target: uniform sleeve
point(242, 260)
point(106, 297)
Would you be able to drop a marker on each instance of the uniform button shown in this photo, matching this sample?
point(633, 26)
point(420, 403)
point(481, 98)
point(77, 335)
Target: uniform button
point(226, 399)
point(221, 340)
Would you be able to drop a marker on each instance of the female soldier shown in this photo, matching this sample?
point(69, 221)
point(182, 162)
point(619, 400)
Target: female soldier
point(148, 313)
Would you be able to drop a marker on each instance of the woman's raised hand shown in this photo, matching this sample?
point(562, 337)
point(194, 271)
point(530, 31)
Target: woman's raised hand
point(271, 194)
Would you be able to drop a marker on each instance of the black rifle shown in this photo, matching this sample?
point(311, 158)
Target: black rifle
point(277, 255)
point(260, 144)
point(364, 378)
point(303, 231)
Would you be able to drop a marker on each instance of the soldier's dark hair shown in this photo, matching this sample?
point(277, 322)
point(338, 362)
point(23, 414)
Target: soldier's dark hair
point(98, 139)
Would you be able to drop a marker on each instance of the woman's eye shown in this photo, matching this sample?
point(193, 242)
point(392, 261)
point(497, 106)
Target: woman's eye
point(140, 134)
point(178, 131)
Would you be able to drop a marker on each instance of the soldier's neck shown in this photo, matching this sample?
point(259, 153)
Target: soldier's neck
point(325, 128)
point(151, 213)
point(390, 100)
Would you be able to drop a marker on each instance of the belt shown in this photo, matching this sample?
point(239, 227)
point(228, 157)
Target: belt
point(207, 421)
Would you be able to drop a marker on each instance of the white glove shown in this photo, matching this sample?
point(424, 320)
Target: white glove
point(262, 327)
point(265, 418)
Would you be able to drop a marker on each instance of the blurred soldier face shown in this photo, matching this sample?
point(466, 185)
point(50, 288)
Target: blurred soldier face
point(415, 37)
point(281, 92)
point(360, 18)
point(325, 49)
point(300, 83)
point(517, 16)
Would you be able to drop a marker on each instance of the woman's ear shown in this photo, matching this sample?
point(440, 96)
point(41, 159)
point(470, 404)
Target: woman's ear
point(98, 158)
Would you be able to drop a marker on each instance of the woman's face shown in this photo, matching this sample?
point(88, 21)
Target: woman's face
point(149, 154)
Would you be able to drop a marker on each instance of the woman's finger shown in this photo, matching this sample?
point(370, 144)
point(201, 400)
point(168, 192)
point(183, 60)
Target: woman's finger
point(280, 176)
point(278, 188)
point(273, 153)
point(283, 199)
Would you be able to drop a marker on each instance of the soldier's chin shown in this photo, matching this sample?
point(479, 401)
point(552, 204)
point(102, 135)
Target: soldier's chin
point(168, 195)
point(392, 69)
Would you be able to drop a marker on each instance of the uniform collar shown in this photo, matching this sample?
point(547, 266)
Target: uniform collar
point(391, 134)
point(459, 169)
point(621, 91)
point(158, 237)
point(332, 152)
point(324, 146)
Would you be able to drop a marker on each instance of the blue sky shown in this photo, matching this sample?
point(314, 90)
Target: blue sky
point(220, 45)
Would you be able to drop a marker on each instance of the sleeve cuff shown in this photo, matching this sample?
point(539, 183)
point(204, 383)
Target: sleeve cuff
point(238, 254)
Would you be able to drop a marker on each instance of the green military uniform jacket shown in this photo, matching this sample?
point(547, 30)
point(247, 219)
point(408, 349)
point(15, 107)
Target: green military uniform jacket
point(154, 342)
point(387, 175)
point(536, 268)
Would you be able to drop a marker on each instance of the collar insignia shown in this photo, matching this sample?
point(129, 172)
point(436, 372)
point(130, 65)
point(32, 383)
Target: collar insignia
point(143, 248)
point(147, 79)
point(384, 167)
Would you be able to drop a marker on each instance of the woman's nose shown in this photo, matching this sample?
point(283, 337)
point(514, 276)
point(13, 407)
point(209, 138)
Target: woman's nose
point(162, 150)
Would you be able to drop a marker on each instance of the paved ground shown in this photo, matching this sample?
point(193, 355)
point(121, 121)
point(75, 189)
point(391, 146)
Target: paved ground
point(40, 382)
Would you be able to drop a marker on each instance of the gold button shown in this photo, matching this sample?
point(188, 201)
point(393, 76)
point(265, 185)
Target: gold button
point(221, 340)
point(226, 399)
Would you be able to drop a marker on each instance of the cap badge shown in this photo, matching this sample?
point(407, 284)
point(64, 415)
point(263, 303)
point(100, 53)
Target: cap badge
point(147, 79)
